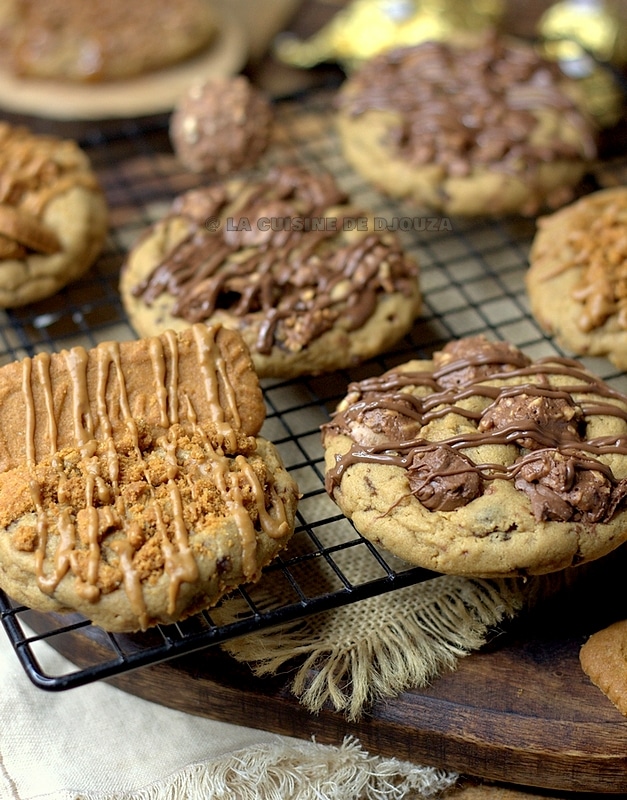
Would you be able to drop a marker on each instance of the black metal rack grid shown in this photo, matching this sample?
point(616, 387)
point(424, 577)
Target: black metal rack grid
point(472, 277)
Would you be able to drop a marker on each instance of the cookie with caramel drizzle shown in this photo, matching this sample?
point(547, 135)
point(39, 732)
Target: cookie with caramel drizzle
point(135, 488)
point(577, 279)
point(53, 215)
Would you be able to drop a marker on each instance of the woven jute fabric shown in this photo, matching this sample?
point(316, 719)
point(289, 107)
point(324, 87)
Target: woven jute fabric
point(357, 653)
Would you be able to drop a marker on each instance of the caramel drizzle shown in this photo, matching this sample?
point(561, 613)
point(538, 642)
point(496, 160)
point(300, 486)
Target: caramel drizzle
point(43, 375)
point(36, 169)
point(597, 246)
point(213, 369)
point(163, 393)
point(180, 563)
point(388, 396)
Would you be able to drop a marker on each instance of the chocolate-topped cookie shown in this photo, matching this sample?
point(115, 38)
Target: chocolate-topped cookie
point(483, 462)
point(134, 485)
point(285, 260)
point(471, 126)
point(577, 275)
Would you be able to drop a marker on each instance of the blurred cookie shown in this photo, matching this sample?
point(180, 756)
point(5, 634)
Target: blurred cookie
point(221, 125)
point(482, 462)
point(474, 126)
point(71, 40)
point(604, 660)
point(53, 215)
point(472, 789)
point(135, 488)
point(286, 261)
point(577, 278)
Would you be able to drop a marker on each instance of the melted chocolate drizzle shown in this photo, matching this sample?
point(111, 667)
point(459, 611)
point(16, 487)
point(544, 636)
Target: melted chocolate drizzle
point(556, 462)
point(460, 106)
point(298, 279)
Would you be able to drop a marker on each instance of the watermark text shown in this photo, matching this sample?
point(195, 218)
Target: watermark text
point(330, 224)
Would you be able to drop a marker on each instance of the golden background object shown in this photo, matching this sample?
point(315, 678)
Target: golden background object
point(586, 38)
point(367, 27)
point(572, 28)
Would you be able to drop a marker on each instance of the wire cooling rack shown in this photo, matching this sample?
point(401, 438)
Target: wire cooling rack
point(472, 277)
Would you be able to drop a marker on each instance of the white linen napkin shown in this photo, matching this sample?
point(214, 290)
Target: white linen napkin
point(97, 742)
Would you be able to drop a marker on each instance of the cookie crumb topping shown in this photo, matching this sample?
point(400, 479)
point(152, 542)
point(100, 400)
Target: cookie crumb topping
point(34, 170)
point(598, 247)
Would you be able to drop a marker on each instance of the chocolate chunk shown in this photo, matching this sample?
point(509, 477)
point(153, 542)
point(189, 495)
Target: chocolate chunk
point(443, 479)
point(395, 421)
point(534, 419)
point(200, 204)
point(474, 359)
point(380, 415)
point(566, 487)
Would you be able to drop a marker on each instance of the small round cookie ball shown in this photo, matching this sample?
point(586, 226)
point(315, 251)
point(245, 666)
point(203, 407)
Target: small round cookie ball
point(221, 125)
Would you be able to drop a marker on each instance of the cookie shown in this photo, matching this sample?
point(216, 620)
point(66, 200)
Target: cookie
point(577, 273)
point(604, 660)
point(134, 486)
point(74, 41)
point(53, 215)
point(466, 127)
point(286, 261)
point(221, 125)
point(472, 789)
point(482, 462)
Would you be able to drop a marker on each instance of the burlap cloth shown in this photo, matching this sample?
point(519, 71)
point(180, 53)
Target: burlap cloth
point(375, 648)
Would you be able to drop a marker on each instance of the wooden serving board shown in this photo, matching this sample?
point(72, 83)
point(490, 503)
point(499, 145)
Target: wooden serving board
point(520, 711)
